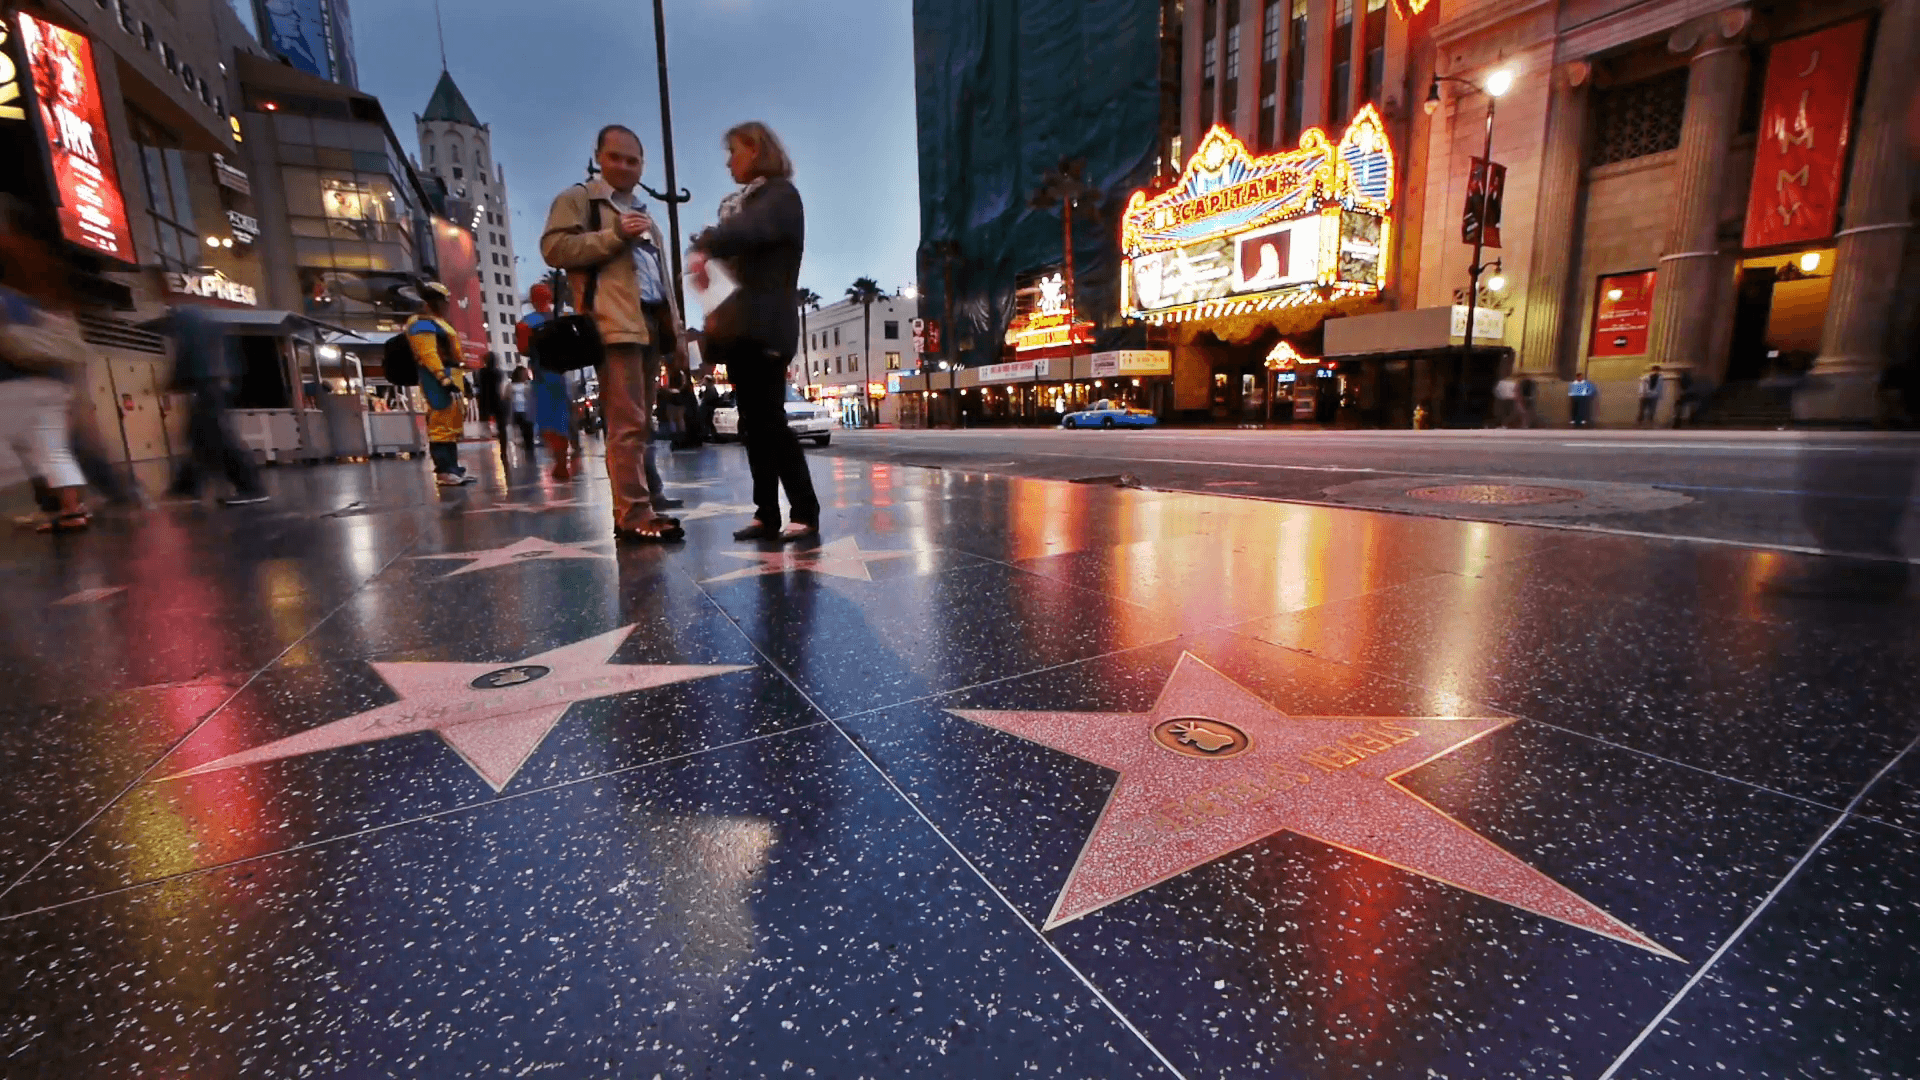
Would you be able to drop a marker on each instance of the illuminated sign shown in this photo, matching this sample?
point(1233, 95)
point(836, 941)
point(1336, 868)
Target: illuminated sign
point(11, 107)
point(1132, 362)
point(246, 228)
point(1239, 233)
point(1050, 324)
point(996, 373)
point(1285, 357)
point(216, 286)
point(1407, 9)
point(92, 212)
point(230, 177)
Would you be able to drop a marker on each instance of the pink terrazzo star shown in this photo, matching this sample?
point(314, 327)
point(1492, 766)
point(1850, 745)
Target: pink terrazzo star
point(841, 558)
point(1213, 768)
point(526, 549)
point(493, 715)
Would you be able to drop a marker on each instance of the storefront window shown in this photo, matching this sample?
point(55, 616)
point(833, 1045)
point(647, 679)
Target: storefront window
point(163, 174)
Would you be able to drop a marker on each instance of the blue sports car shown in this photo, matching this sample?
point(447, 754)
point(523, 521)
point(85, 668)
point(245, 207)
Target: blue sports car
point(1107, 414)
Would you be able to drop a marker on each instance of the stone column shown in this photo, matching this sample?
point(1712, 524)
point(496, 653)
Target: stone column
point(1863, 304)
point(1550, 270)
point(1691, 263)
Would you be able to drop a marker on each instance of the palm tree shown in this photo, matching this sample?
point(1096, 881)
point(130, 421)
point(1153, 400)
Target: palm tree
point(805, 298)
point(864, 291)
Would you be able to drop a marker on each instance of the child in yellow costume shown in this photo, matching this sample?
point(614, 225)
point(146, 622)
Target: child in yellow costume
point(436, 348)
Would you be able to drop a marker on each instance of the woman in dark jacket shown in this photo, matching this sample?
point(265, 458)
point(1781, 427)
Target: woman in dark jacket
point(756, 331)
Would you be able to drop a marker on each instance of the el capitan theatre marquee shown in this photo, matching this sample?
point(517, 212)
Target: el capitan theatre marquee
point(1239, 234)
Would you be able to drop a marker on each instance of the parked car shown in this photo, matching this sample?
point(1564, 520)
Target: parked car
point(1107, 414)
point(808, 420)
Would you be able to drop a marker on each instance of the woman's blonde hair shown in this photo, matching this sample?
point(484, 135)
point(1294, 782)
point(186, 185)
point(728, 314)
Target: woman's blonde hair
point(769, 156)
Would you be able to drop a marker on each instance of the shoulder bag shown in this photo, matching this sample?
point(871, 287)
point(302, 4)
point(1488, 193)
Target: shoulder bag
point(572, 342)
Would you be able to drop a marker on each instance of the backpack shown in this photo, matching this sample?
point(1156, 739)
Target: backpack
point(402, 368)
point(398, 361)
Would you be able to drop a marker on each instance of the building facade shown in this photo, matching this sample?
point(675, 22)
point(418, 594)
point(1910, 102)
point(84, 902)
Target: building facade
point(847, 352)
point(457, 148)
point(314, 36)
point(1717, 189)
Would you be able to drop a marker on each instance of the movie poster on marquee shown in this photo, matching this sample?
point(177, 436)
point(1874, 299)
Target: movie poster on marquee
point(92, 212)
point(1806, 118)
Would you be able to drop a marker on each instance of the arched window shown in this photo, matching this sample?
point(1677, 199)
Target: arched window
point(429, 153)
point(453, 152)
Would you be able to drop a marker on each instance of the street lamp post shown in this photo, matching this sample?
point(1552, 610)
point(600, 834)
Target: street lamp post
point(1496, 87)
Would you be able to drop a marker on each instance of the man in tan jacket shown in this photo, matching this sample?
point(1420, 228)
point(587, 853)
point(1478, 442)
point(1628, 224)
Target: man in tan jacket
point(616, 268)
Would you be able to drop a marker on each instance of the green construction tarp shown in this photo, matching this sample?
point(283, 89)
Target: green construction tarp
point(1004, 90)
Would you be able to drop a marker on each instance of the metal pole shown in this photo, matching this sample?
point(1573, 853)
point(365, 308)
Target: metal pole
point(666, 138)
point(1479, 241)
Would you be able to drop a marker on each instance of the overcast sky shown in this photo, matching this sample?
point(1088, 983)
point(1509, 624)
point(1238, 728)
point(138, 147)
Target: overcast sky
point(833, 77)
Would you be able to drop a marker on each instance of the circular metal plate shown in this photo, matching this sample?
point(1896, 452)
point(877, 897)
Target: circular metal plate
point(1496, 494)
point(1201, 737)
point(510, 676)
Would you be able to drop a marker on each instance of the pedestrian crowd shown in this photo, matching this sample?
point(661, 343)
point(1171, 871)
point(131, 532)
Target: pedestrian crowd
point(626, 327)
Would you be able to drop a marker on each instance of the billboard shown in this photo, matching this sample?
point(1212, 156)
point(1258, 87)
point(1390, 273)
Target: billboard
point(1239, 233)
point(301, 32)
point(459, 263)
point(74, 123)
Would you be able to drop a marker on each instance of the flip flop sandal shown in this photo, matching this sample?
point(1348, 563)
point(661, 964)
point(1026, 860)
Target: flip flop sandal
point(64, 523)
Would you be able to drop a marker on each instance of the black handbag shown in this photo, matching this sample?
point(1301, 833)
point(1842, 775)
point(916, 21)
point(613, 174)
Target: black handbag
point(572, 342)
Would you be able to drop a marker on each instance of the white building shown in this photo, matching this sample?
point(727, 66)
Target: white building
point(839, 364)
point(457, 147)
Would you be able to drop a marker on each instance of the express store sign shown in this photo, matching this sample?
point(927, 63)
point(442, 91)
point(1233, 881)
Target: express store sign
point(1240, 233)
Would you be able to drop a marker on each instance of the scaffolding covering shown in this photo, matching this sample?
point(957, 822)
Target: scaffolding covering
point(1004, 90)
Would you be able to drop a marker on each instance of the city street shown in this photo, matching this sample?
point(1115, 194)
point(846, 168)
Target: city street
point(1792, 490)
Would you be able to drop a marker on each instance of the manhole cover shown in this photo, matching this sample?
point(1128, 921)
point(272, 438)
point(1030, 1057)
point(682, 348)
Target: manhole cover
point(1496, 494)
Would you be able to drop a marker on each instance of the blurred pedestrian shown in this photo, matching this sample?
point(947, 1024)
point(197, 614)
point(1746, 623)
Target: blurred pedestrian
point(40, 346)
point(1524, 399)
point(612, 252)
point(206, 368)
point(436, 348)
point(1685, 399)
point(520, 403)
point(1649, 396)
point(1506, 395)
point(552, 397)
point(1580, 393)
point(709, 401)
point(756, 330)
point(494, 410)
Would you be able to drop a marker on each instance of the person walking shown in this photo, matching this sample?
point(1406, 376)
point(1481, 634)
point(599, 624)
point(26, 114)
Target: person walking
point(709, 401)
point(520, 403)
point(39, 347)
point(1685, 400)
point(611, 250)
point(1580, 400)
point(494, 408)
point(436, 348)
point(1524, 398)
point(1649, 396)
point(205, 368)
point(552, 397)
point(756, 330)
point(1505, 401)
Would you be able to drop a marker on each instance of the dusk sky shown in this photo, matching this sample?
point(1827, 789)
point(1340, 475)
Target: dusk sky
point(834, 78)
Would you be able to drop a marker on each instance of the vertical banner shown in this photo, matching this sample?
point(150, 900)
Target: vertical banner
point(92, 212)
point(1486, 186)
point(1622, 312)
point(1806, 118)
point(459, 263)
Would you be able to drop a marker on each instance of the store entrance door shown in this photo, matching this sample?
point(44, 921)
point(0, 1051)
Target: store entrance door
point(1752, 310)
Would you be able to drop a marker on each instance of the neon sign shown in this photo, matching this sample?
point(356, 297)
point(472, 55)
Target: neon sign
point(1240, 233)
point(1285, 357)
point(92, 212)
point(1050, 324)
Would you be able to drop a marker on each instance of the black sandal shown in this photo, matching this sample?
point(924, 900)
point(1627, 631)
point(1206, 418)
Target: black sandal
point(64, 523)
point(659, 530)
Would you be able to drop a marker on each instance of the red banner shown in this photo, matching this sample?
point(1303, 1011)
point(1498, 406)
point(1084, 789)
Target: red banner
point(459, 262)
point(1621, 314)
point(92, 212)
point(1486, 189)
point(1805, 121)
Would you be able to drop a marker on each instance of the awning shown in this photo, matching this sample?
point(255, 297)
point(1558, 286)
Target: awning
point(264, 321)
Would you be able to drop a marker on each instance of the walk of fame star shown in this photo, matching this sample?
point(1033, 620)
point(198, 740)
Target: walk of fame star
point(695, 513)
point(842, 559)
point(527, 508)
point(493, 715)
point(526, 549)
point(1212, 768)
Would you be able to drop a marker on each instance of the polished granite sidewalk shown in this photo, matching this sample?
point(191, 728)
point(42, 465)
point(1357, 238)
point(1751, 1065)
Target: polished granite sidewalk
point(1003, 778)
